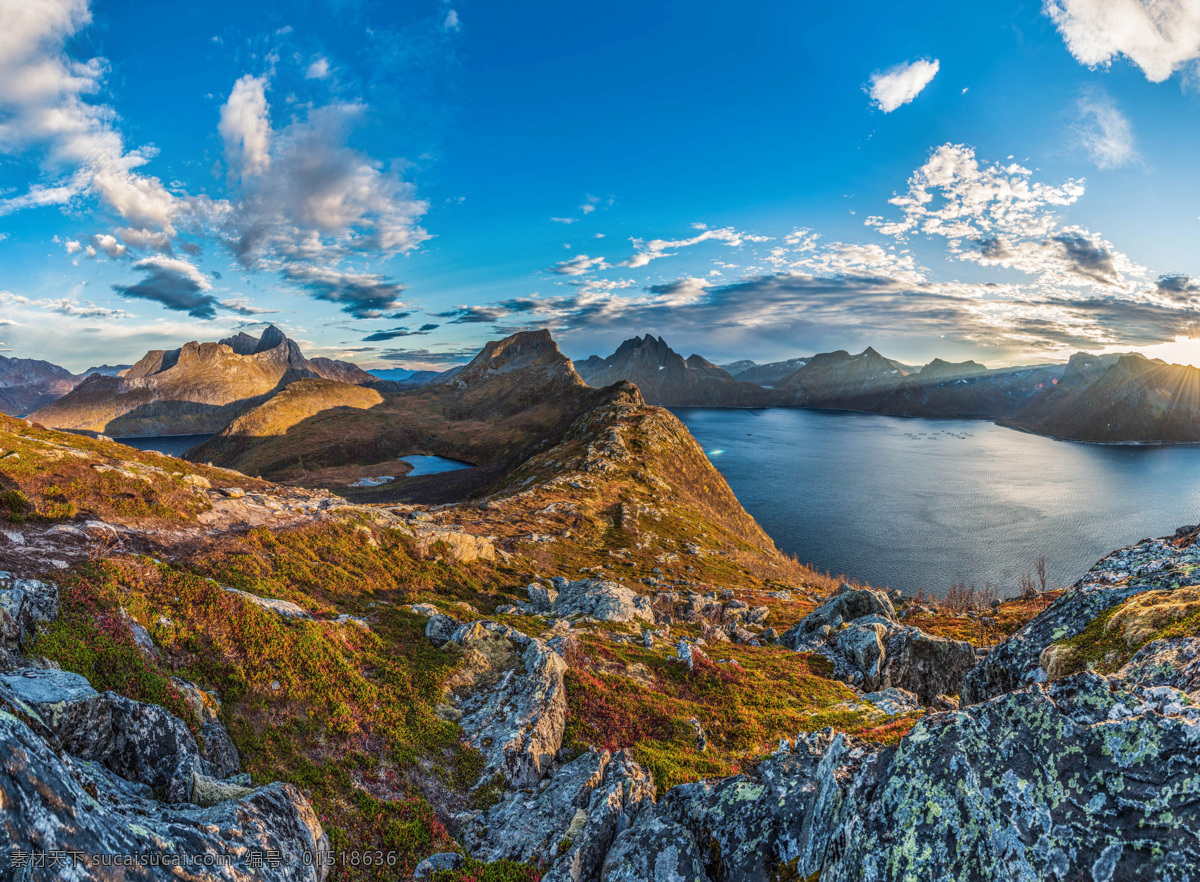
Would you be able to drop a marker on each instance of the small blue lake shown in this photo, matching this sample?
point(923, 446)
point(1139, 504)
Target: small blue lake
point(432, 465)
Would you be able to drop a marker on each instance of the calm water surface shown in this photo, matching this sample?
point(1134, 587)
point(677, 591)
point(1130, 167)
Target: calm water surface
point(432, 465)
point(908, 503)
point(172, 445)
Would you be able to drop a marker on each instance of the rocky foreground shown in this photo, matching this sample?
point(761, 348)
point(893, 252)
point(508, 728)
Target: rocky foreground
point(1084, 775)
point(600, 669)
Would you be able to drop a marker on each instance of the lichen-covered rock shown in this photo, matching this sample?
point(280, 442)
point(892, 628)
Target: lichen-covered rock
point(1174, 663)
point(1082, 780)
point(657, 848)
point(603, 600)
point(569, 822)
point(510, 700)
point(873, 651)
point(749, 827)
point(24, 605)
point(1166, 564)
point(440, 628)
point(139, 742)
point(54, 803)
point(215, 744)
point(926, 664)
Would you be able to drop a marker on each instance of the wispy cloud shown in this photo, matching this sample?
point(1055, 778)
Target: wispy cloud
point(1104, 131)
point(899, 85)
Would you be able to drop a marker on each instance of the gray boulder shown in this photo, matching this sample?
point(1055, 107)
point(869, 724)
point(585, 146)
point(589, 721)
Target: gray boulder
point(925, 664)
point(139, 742)
point(845, 606)
point(769, 824)
point(603, 600)
point(24, 605)
point(569, 823)
point(440, 628)
point(541, 597)
point(510, 699)
point(873, 651)
point(446, 860)
point(55, 803)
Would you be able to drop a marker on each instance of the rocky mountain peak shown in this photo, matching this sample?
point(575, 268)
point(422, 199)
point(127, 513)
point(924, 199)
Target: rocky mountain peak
point(270, 338)
point(523, 351)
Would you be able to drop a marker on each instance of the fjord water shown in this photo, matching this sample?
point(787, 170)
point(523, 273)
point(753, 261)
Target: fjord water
point(909, 503)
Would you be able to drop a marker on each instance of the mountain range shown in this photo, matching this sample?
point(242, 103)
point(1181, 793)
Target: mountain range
point(207, 388)
point(668, 379)
point(196, 389)
point(27, 384)
point(1114, 398)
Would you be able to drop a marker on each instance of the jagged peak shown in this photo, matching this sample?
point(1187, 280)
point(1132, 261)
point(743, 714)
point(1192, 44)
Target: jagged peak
point(270, 338)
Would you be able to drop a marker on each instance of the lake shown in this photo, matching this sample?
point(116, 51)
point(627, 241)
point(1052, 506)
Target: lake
point(432, 465)
point(908, 503)
point(172, 445)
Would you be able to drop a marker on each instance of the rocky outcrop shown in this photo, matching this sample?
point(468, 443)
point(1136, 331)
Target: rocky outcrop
point(1000, 791)
point(570, 819)
point(24, 605)
point(857, 630)
point(1167, 564)
point(510, 699)
point(772, 823)
point(54, 803)
point(1085, 779)
point(455, 545)
point(102, 775)
point(601, 599)
point(142, 743)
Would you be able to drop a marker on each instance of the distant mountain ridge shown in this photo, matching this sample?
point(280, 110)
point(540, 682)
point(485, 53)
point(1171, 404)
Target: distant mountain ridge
point(27, 384)
point(666, 378)
point(1113, 398)
point(196, 389)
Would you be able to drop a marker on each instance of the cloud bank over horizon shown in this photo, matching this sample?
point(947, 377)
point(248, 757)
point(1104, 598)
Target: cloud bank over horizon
point(330, 174)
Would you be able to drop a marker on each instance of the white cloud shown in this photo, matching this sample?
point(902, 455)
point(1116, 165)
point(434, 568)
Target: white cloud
point(245, 127)
point(318, 70)
point(565, 220)
point(1159, 36)
point(996, 215)
point(451, 23)
point(656, 248)
point(44, 107)
point(1104, 131)
point(578, 265)
point(899, 85)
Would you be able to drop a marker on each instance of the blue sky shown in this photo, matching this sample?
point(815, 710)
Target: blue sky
point(396, 183)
